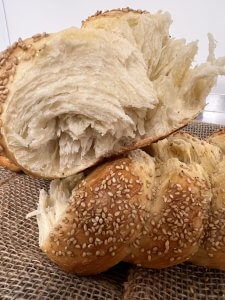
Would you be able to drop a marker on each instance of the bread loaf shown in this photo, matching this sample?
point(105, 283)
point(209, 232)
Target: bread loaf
point(119, 83)
point(155, 209)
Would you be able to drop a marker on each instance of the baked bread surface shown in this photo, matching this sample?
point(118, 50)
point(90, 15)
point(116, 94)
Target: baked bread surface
point(155, 209)
point(119, 83)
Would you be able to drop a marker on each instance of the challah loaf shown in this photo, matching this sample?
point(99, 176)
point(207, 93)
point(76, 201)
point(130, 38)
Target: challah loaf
point(71, 98)
point(153, 210)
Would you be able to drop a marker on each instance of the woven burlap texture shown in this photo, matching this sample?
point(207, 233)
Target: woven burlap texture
point(184, 281)
point(26, 273)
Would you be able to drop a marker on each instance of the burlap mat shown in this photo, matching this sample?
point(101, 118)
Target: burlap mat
point(184, 281)
point(26, 273)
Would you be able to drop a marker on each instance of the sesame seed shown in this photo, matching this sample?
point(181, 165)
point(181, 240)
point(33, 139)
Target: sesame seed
point(153, 223)
point(167, 244)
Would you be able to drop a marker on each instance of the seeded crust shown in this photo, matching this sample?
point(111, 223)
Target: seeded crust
point(21, 51)
point(210, 155)
point(153, 211)
point(211, 253)
point(133, 210)
point(113, 13)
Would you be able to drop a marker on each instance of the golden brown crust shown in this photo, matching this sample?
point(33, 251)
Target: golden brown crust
point(112, 13)
point(145, 210)
point(93, 234)
point(211, 252)
point(132, 210)
point(5, 162)
point(8, 164)
point(22, 50)
point(148, 141)
point(174, 234)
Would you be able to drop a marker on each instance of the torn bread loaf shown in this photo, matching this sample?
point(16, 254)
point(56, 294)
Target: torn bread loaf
point(151, 210)
point(70, 98)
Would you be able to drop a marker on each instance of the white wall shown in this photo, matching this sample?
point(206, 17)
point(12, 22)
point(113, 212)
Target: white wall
point(4, 37)
point(193, 19)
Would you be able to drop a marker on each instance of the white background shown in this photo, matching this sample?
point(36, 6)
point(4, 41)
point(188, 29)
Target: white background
point(192, 19)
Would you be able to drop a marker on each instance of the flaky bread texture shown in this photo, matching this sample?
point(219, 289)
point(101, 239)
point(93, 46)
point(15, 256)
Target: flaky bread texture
point(119, 83)
point(153, 209)
point(218, 139)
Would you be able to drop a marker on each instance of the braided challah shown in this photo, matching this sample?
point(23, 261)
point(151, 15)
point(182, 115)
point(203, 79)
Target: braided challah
point(155, 209)
point(119, 83)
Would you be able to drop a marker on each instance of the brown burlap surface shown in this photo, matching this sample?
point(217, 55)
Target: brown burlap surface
point(26, 273)
point(183, 281)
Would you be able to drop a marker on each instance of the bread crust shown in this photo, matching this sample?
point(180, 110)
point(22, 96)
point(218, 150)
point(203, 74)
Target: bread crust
point(8, 164)
point(113, 13)
point(128, 210)
point(153, 211)
point(20, 51)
